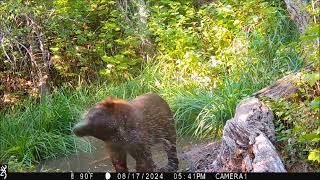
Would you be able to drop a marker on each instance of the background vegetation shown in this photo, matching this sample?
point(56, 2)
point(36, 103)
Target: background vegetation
point(59, 57)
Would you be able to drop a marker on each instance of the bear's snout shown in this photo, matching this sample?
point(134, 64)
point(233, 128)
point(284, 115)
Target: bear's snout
point(81, 129)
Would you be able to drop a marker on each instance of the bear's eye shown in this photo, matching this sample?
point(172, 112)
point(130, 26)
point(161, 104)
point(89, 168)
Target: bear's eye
point(95, 118)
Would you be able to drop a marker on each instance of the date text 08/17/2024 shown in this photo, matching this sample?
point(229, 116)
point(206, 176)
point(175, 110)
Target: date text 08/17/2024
point(156, 176)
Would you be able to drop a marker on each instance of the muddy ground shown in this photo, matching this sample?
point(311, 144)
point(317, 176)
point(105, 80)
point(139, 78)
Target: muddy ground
point(193, 156)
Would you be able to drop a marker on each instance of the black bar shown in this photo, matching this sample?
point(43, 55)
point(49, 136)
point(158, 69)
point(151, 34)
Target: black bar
point(160, 176)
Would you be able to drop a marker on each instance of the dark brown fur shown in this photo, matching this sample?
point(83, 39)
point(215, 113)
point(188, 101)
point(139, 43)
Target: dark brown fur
point(133, 127)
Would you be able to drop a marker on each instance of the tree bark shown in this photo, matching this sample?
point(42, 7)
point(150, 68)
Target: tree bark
point(40, 64)
point(298, 15)
point(302, 18)
point(246, 142)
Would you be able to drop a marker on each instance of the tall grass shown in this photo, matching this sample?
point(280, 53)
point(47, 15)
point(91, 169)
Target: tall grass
point(43, 131)
point(39, 131)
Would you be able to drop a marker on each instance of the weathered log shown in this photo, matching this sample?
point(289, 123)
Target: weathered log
point(281, 88)
point(266, 158)
point(245, 144)
point(247, 138)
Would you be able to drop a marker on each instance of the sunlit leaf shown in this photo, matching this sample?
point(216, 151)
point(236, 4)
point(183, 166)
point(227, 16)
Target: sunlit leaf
point(315, 104)
point(314, 155)
point(312, 78)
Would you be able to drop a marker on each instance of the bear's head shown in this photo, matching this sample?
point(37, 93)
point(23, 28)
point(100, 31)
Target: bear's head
point(104, 120)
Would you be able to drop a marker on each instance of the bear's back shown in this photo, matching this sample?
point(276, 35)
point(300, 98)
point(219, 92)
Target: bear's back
point(154, 117)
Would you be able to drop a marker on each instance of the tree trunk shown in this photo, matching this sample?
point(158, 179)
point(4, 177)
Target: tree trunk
point(302, 19)
point(139, 9)
point(298, 15)
point(40, 64)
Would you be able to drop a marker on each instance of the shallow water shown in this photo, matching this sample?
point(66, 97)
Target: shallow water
point(98, 160)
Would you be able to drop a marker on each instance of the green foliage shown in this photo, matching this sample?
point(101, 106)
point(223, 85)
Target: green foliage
point(297, 123)
point(203, 59)
point(314, 155)
point(221, 52)
point(207, 45)
point(310, 40)
point(72, 42)
point(95, 36)
point(312, 78)
point(35, 132)
point(46, 132)
point(19, 166)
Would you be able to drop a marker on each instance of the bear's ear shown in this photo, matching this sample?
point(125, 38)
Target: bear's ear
point(108, 103)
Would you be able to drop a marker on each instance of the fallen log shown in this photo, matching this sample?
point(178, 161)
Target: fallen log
point(246, 143)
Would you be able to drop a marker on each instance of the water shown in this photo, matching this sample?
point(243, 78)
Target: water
point(99, 161)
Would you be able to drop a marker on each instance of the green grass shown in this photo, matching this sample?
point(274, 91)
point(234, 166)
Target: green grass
point(42, 131)
point(39, 131)
point(33, 132)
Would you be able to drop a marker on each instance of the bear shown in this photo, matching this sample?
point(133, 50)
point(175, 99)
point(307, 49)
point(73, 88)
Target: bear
point(133, 127)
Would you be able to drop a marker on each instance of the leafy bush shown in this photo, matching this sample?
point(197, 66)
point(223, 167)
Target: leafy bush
point(65, 42)
point(202, 58)
point(95, 36)
point(298, 121)
point(221, 52)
